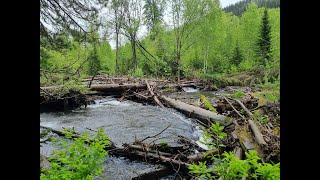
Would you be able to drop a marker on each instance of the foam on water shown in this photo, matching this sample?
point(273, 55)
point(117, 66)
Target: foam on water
point(190, 89)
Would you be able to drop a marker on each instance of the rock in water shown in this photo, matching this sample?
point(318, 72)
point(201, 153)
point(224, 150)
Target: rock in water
point(44, 163)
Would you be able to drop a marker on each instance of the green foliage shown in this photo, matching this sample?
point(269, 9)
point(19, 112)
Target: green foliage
point(94, 63)
point(269, 93)
point(239, 7)
point(230, 167)
point(163, 145)
point(218, 42)
point(237, 56)
point(268, 171)
point(263, 119)
point(238, 94)
point(137, 73)
point(206, 103)
point(78, 160)
point(201, 170)
point(233, 168)
point(264, 41)
point(214, 136)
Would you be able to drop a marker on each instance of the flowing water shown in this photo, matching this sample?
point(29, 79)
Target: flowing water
point(123, 122)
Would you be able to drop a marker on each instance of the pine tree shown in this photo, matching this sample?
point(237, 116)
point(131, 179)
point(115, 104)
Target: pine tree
point(237, 56)
point(264, 42)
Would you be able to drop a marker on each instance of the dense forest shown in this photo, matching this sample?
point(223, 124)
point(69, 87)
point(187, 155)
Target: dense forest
point(200, 44)
point(133, 61)
point(239, 7)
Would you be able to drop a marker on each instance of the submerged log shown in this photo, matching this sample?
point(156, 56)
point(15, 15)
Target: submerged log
point(205, 116)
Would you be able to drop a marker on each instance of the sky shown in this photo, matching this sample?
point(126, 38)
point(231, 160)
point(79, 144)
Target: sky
point(225, 3)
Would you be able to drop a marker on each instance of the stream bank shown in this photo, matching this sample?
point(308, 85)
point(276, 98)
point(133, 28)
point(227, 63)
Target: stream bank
point(125, 119)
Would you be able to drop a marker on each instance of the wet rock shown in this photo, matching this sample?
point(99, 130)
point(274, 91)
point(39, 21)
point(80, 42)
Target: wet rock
point(44, 163)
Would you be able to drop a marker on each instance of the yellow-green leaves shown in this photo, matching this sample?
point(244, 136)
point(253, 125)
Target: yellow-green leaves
point(207, 105)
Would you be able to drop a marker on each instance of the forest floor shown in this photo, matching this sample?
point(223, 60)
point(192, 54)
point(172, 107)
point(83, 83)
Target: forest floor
point(254, 118)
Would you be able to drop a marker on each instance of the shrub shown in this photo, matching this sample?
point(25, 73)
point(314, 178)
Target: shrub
point(206, 103)
point(78, 160)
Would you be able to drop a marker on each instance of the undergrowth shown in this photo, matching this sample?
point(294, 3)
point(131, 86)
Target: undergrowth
point(238, 94)
point(206, 103)
point(269, 93)
point(78, 160)
point(229, 166)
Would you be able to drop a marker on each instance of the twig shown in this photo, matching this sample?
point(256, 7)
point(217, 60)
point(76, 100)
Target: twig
point(234, 108)
point(255, 129)
point(244, 108)
point(153, 95)
point(91, 129)
point(156, 134)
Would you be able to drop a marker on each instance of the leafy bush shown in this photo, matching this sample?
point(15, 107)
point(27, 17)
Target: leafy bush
point(230, 167)
point(214, 135)
point(78, 160)
point(207, 104)
point(137, 73)
point(201, 170)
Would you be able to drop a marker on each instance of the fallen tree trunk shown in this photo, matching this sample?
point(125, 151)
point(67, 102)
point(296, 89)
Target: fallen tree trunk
point(117, 88)
point(205, 116)
point(153, 95)
point(256, 131)
point(150, 157)
point(133, 153)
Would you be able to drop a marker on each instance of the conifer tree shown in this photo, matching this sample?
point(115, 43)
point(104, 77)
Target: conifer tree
point(264, 42)
point(237, 56)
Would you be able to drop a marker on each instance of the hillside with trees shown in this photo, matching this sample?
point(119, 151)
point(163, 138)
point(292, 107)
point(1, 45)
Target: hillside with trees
point(239, 7)
point(150, 52)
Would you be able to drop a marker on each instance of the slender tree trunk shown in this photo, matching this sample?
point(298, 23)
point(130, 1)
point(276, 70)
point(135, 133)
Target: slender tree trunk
point(117, 51)
point(178, 66)
point(134, 53)
point(178, 54)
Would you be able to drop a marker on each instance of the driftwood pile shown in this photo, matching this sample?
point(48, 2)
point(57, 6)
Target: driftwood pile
point(174, 159)
point(50, 101)
point(233, 114)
